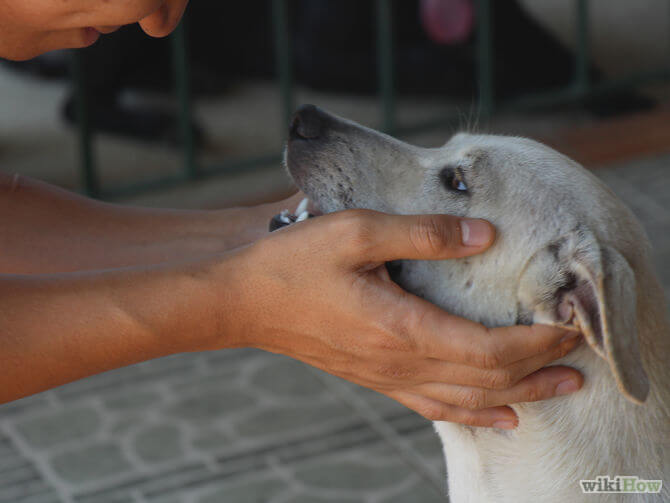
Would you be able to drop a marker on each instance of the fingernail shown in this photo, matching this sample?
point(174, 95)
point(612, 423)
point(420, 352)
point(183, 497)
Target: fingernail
point(475, 232)
point(566, 387)
point(504, 425)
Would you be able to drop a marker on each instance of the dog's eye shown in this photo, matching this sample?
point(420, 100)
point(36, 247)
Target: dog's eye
point(453, 179)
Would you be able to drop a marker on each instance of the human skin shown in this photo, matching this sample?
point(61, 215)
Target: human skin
point(32, 27)
point(89, 286)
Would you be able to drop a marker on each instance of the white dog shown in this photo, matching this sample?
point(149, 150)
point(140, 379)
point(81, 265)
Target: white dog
point(568, 253)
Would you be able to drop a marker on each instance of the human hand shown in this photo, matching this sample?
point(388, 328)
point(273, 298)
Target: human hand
point(318, 291)
point(28, 29)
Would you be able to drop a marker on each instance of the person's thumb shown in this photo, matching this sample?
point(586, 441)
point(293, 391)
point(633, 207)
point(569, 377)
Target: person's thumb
point(421, 237)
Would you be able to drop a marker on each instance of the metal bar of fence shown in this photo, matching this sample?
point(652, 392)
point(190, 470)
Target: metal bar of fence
point(385, 65)
point(485, 57)
point(89, 176)
point(283, 60)
point(582, 79)
point(182, 78)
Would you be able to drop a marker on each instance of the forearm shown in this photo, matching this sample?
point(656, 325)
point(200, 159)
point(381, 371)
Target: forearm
point(45, 230)
point(58, 328)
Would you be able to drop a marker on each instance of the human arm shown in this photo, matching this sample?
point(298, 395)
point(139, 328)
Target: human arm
point(45, 229)
point(59, 328)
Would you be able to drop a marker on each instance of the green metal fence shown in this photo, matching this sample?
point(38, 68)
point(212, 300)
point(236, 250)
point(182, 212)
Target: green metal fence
point(580, 88)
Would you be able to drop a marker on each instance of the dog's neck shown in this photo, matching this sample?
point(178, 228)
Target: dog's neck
point(593, 432)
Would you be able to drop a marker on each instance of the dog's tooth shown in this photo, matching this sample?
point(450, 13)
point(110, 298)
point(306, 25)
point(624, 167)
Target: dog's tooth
point(284, 217)
point(302, 206)
point(302, 216)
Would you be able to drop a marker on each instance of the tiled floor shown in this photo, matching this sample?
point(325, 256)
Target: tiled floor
point(244, 426)
point(239, 426)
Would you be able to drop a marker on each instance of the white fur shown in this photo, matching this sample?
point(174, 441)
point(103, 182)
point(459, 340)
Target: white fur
point(535, 197)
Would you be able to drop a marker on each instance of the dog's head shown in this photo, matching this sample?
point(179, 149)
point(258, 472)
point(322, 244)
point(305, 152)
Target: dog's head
point(566, 247)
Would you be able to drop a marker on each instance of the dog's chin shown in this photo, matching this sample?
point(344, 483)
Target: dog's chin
point(323, 200)
point(312, 206)
point(323, 207)
point(320, 201)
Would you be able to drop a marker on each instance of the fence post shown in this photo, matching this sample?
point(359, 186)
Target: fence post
point(182, 85)
point(485, 57)
point(283, 60)
point(385, 64)
point(89, 175)
point(582, 80)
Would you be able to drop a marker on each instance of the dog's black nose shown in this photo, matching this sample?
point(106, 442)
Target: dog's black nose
point(307, 123)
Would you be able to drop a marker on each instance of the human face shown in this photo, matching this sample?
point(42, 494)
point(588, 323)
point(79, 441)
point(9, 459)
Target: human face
point(29, 28)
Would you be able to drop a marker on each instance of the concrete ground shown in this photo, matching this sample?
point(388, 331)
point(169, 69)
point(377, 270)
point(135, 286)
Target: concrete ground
point(237, 426)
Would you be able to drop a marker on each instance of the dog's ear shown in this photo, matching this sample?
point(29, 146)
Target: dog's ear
point(576, 282)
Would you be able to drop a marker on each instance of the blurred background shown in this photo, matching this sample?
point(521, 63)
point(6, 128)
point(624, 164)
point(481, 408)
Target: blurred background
point(198, 120)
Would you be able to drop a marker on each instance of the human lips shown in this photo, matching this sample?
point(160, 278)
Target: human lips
point(90, 36)
point(106, 29)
